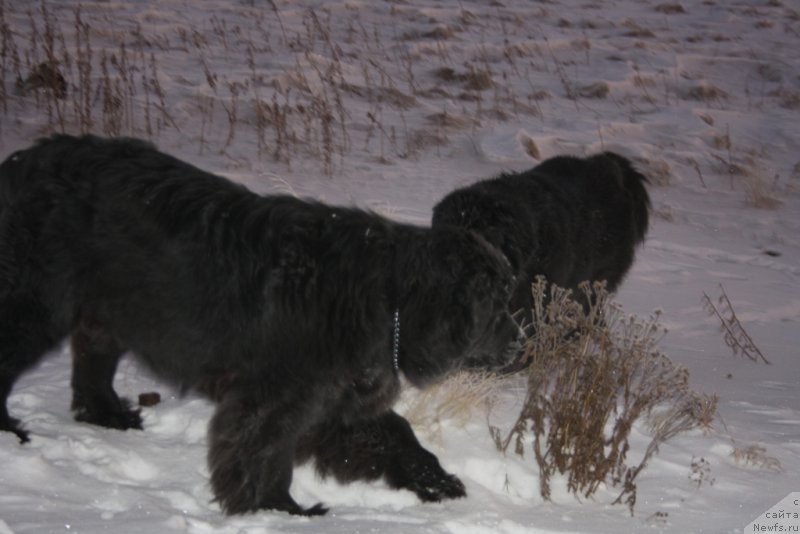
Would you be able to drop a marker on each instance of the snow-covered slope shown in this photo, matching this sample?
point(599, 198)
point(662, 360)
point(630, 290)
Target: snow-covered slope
point(389, 105)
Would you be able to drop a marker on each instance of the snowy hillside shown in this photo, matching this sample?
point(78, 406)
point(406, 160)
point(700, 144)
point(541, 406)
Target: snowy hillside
point(388, 106)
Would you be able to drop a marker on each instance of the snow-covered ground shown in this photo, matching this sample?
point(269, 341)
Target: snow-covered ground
point(389, 105)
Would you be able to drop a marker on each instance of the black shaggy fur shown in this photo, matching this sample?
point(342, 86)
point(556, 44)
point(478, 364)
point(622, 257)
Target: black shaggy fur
point(281, 310)
point(568, 219)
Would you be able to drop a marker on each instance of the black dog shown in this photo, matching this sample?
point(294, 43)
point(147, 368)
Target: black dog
point(568, 219)
point(286, 312)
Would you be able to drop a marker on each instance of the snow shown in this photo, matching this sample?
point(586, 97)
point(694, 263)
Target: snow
point(706, 101)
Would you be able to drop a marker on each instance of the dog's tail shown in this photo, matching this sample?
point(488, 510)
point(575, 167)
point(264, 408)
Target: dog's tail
point(635, 183)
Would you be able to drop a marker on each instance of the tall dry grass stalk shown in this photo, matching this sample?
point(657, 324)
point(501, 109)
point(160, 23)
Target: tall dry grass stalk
point(734, 334)
point(82, 94)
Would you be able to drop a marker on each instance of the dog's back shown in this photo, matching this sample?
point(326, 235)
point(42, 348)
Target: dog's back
point(25, 169)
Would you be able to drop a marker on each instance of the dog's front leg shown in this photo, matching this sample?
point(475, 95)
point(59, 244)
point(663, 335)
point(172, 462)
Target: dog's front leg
point(381, 447)
point(251, 451)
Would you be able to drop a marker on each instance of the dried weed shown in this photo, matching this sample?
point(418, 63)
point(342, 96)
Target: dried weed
point(592, 376)
point(734, 334)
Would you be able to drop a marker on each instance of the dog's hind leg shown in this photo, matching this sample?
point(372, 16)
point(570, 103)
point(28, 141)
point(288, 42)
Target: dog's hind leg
point(95, 354)
point(26, 334)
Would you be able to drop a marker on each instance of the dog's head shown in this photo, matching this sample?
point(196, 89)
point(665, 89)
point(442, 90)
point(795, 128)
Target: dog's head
point(454, 307)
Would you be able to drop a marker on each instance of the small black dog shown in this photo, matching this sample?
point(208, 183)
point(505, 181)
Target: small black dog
point(568, 219)
point(286, 312)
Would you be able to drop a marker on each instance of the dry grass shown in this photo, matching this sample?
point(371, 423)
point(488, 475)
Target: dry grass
point(721, 141)
point(756, 457)
point(80, 88)
point(760, 192)
point(734, 334)
point(472, 80)
point(44, 77)
point(592, 376)
point(594, 90)
point(658, 171)
point(664, 212)
point(444, 119)
point(636, 31)
point(788, 98)
point(671, 9)
point(530, 147)
point(705, 92)
point(86, 80)
point(458, 400)
point(341, 83)
point(743, 167)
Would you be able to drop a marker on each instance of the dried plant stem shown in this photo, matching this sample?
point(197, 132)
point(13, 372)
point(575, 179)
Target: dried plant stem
point(734, 333)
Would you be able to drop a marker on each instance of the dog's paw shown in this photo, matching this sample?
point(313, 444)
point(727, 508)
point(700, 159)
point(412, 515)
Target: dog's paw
point(243, 502)
point(123, 419)
point(437, 485)
point(317, 509)
point(13, 425)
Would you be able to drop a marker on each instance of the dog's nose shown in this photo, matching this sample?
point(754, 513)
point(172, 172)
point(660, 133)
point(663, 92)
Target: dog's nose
point(516, 347)
point(514, 355)
point(522, 337)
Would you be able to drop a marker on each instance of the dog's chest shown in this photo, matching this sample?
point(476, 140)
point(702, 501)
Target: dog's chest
point(373, 392)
